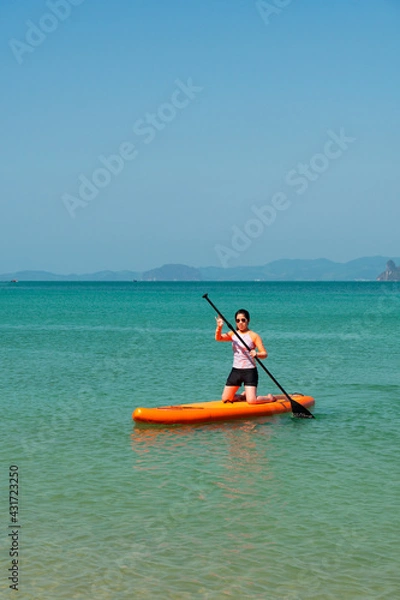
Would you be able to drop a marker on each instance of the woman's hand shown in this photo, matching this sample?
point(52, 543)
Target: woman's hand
point(220, 322)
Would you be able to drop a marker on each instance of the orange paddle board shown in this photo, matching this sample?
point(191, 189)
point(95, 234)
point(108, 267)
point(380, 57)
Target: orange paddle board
point(217, 410)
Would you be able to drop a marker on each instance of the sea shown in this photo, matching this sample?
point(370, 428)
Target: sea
point(272, 508)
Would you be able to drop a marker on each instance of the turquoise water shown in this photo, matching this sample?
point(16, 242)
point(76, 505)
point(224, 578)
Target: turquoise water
point(274, 508)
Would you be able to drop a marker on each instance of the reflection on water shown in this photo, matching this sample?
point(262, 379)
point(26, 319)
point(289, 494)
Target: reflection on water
point(224, 473)
point(242, 440)
point(238, 452)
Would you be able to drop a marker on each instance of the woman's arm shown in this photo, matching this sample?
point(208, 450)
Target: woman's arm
point(260, 351)
point(219, 336)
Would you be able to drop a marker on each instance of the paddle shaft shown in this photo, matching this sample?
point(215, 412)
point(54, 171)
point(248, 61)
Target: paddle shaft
point(297, 408)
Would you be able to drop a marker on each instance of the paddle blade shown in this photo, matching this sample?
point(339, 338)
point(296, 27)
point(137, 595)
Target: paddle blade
point(299, 411)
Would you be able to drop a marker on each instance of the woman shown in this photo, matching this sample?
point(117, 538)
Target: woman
point(244, 370)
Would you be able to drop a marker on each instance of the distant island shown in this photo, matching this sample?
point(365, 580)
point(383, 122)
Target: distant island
point(392, 273)
point(361, 269)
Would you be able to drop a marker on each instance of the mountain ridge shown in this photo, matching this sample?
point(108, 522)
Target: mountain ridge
point(320, 269)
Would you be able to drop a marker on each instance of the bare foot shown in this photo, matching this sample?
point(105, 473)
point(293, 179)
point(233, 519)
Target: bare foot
point(266, 399)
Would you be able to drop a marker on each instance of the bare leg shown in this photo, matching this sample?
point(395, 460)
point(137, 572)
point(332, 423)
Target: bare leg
point(228, 395)
point(252, 398)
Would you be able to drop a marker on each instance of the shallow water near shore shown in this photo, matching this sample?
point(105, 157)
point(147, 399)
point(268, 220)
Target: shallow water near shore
point(276, 508)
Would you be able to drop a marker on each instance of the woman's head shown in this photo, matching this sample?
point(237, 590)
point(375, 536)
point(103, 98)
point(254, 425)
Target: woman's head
point(242, 316)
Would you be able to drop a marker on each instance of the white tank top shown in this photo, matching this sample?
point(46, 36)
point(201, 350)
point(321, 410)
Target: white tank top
point(241, 356)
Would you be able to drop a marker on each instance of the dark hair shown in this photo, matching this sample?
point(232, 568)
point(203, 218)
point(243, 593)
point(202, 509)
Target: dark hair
point(244, 312)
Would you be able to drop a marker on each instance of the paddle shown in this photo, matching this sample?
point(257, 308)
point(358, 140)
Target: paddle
point(297, 409)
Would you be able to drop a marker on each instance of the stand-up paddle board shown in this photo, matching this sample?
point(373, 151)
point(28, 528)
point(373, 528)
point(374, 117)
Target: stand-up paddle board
point(199, 412)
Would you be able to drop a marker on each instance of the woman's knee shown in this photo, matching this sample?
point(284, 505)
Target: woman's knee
point(251, 394)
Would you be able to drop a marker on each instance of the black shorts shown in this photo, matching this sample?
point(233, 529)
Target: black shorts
point(238, 376)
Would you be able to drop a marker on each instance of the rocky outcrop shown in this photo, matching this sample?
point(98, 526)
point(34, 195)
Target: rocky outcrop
point(392, 272)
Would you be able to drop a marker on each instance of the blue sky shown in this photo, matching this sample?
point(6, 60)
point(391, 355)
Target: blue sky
point(138, 133)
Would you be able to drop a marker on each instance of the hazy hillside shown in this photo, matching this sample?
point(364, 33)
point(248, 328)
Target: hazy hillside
point(172, 273)
point(320, 269)
point(46, 276)
point(367, 269)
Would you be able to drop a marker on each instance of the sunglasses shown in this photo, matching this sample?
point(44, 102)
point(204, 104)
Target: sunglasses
point(241, 320)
